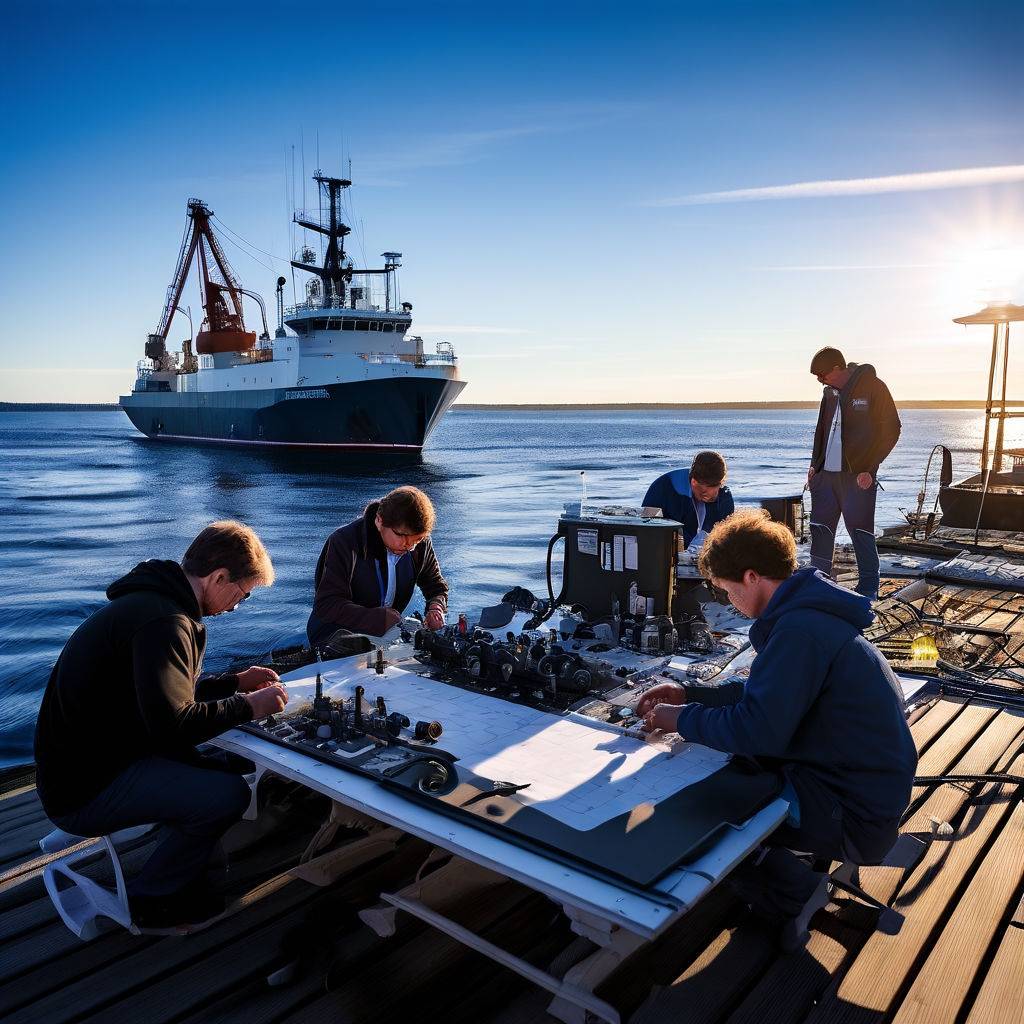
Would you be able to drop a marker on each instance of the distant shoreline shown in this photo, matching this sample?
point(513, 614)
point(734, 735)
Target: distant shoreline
point(58, 407)
point(926, 403)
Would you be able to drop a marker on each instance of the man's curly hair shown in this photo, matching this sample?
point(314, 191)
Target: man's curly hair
point(748, 540)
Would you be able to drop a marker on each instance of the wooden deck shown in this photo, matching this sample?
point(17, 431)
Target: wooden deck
point(958, 956)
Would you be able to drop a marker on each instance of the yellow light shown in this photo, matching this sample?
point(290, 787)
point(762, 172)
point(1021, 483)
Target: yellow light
point(923, 649)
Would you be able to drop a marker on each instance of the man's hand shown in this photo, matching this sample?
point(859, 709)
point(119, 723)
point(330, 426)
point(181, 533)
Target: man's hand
point(256, 678)
point(268, 701)
point(434, 619)
point(662, 718)
point(810, 473)
point(864, 480)
point(663, 693)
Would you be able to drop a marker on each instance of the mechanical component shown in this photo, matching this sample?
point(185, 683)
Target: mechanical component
point(427, 732)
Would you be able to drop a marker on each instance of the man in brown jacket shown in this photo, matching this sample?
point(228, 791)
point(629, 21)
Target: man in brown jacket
point(367, 570)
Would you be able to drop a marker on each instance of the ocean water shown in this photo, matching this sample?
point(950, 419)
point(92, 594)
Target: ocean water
point(83, 498)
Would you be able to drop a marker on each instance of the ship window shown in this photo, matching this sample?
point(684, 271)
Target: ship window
point(374, 326)
point(348, 325)
point(362, 325)
point(387, 328)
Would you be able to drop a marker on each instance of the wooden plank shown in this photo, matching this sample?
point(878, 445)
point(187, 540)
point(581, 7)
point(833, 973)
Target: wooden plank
point(716, 981)
point(332, 939)
point(939, 990)
point(661, 962)
point(31, 953)
point(791, 986)
point(383, 987)
point(880, 970)
point(1000, 998)
point(146, 977)
point(939, 715)
point(945, 802)
point(22, 841)
point(952, 742)
point(472, 990)
point(21, 816)
point(19, 799)
point(988, 749)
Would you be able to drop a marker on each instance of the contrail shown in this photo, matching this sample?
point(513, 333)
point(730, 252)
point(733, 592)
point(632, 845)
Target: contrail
point(925, 181)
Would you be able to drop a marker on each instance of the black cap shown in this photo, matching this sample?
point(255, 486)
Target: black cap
point(826, 359)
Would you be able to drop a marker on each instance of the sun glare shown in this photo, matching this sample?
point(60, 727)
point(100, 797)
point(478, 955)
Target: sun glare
point(993, 273)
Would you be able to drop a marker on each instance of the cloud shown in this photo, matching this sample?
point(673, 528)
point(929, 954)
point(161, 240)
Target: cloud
point(66, 369)
point(449, 149)
point(856, 266)
point(965, 177)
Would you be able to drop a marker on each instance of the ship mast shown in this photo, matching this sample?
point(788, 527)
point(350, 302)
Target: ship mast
point(337, 271)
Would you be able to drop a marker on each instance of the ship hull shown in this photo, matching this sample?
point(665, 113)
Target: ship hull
point(1001, 510)
point(368, 415)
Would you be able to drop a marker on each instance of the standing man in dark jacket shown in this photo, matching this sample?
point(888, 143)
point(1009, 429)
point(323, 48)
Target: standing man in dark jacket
point(857, 428)
point(367, 570)
point(125, 707)
point(821, 707)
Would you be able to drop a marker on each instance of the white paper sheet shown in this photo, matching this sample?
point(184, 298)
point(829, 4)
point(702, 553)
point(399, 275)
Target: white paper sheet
point(580, 773)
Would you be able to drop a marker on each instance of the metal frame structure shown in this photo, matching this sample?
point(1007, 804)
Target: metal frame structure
point(615, 918)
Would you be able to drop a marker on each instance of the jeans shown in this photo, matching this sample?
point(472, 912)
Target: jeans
point(835, 494)
point(195, 801)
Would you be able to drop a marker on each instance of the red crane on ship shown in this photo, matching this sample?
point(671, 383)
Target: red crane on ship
point(223, 328)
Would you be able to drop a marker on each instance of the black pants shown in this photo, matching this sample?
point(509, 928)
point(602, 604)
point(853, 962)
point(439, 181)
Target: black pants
point(778, 879)
point(196, 802)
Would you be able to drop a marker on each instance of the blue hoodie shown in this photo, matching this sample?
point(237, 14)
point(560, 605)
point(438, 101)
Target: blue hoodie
point(672, 493)
point(821, 705)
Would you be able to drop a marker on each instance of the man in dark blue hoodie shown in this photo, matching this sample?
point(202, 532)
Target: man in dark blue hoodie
point(821, 707)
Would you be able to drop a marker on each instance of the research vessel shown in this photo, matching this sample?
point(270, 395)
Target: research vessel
point(342, 372)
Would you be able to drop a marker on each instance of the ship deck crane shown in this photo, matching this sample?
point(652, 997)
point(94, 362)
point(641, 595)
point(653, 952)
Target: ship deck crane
point(223, 328)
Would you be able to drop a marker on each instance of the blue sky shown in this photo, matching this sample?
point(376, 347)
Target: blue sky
point(578, 189)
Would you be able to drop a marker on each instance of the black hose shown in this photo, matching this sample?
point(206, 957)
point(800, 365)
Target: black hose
point(1009, 780)
point(553, 601)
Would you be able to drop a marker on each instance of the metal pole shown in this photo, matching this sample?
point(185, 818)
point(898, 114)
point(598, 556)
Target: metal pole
point(998, 457)
point(988, 401)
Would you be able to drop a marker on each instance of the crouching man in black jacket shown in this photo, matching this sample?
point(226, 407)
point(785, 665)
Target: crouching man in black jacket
point(125, 707)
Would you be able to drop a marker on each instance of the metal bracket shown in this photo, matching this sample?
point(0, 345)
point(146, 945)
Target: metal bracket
point(615, 945)
point(454, 880)
point(577, 1001)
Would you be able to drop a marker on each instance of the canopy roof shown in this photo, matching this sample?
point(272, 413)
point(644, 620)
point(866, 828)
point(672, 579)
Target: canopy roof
point(997, 313)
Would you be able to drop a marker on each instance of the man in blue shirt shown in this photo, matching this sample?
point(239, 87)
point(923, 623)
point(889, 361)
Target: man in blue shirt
point(697, 498)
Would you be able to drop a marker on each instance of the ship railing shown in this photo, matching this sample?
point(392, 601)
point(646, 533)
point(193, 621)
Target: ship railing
point(413, 358)
point(315, 309)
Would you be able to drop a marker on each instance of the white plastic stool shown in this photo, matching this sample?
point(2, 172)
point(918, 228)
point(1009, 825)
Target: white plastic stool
point(252, 812)
point(84, 901)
